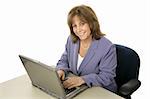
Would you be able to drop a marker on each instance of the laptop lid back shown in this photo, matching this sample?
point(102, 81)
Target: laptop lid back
point(43, 76)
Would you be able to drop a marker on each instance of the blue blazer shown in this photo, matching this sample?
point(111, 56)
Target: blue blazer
point(98, 67)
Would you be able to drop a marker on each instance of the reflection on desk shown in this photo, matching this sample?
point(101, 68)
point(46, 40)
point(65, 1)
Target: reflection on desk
point(21, 88)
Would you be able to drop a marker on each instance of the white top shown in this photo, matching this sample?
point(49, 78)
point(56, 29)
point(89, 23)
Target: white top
point(80, 59)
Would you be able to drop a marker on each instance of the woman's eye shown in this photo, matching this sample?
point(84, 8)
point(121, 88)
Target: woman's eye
point(73, 25)
point(82, 23)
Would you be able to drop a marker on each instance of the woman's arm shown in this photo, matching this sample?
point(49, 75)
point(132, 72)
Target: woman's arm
point(63, 63)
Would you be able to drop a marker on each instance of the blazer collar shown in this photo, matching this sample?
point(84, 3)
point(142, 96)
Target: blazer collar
point(75, 56)
point(87, 58)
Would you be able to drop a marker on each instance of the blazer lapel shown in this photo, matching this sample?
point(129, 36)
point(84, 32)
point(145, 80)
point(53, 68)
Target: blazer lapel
point(88, 56)
point(75, 57)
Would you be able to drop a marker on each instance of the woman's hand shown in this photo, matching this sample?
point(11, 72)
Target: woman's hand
point(61, 74)
point(73, 82)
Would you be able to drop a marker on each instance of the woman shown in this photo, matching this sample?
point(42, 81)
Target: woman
point(88, 54)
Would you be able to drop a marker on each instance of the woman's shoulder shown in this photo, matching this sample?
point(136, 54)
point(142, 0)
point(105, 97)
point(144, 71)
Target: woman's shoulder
point(69, 39)
point(104, 44)
point(105, 41)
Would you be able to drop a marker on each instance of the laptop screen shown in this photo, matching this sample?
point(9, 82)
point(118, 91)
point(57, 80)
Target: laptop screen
point(43, 76)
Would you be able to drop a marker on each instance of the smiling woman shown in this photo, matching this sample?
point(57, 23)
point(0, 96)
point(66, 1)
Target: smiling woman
point(85, 16)
point(83, 32)
point(88, 54)
point(32, 28)
point(81, 28)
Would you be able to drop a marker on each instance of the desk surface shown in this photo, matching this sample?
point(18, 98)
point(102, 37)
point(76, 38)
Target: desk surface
point(21, 88)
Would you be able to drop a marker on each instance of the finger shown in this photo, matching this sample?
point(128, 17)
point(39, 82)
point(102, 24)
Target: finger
point(67, 84)
point(72, 86)
point(63, 76)
point(59, 76)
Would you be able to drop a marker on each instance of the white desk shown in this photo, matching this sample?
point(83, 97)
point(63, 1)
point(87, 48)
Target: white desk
point(21, 88)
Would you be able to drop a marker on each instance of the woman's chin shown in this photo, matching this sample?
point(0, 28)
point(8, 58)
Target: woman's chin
point(82, 38)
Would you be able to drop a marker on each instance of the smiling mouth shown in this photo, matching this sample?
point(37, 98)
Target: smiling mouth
point(81, 34)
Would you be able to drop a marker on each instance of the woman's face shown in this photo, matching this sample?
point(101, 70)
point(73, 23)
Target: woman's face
point(80, 28)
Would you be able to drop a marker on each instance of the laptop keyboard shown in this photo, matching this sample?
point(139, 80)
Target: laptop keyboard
point(69, 90)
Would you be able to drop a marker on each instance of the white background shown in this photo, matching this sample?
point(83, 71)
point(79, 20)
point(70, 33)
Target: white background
point(38, 29)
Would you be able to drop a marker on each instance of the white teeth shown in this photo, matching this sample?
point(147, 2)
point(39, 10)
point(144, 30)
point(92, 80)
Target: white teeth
point(80, 34)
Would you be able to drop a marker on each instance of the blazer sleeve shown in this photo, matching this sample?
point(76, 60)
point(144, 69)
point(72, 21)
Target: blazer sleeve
point(107, 70)
point(63, 62)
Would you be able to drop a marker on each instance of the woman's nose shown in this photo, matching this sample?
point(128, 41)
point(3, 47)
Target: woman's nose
point(78, 29)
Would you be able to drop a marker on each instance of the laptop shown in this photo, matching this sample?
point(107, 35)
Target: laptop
point(46, 79)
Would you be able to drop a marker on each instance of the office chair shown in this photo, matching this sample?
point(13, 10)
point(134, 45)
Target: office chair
point(127, 71)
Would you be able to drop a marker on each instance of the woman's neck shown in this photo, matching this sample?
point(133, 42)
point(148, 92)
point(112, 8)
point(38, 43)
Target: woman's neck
point(86, 43)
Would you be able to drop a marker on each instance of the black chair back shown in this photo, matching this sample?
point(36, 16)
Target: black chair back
point(128, 63)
